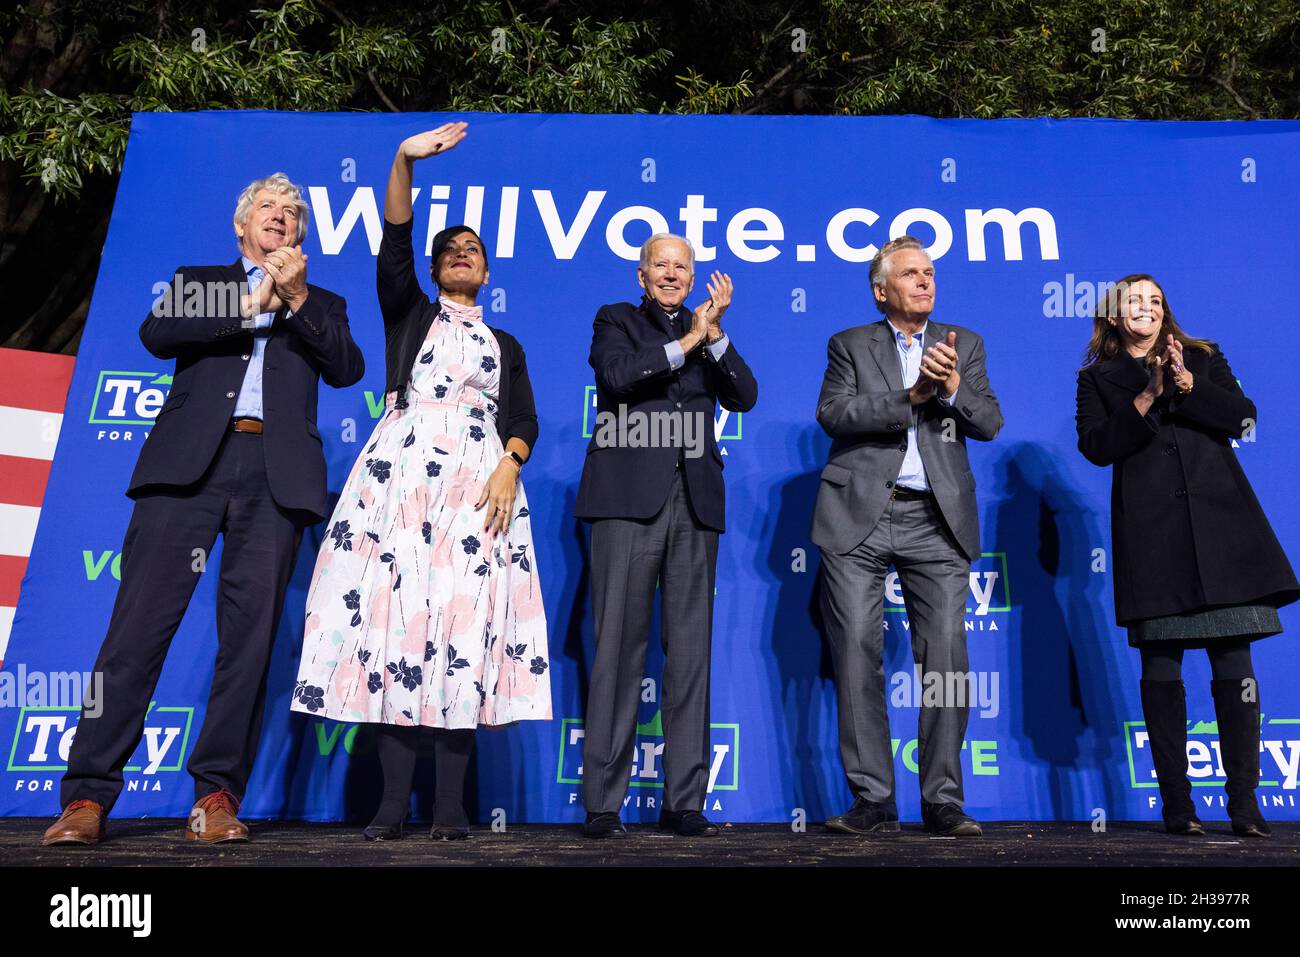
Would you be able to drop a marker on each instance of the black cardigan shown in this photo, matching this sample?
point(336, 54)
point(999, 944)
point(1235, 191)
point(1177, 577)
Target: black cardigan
point(408, 314)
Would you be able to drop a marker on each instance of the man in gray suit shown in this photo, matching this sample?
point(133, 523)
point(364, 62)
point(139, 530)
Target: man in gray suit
point(899, 400)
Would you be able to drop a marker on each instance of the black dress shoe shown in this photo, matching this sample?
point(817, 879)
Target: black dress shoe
point(865, 817)
point(383, 832)
point(603, 824)
point(448, 832)
point(949, 820)
point(687, 824)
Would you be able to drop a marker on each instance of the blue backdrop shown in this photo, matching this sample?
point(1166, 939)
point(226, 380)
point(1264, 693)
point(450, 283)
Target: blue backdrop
point(1025, 217)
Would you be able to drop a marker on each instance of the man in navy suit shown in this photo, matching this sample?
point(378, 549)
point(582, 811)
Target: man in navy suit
point(652, 489)
point(234, 451)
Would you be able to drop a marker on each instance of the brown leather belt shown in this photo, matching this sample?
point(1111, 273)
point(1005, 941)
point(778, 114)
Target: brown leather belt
point(246, 425)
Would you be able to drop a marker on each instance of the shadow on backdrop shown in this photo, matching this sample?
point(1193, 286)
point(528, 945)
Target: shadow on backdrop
point(1065, 710)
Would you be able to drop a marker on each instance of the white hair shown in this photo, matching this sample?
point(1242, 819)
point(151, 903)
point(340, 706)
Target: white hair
point(280, 184)
point(657, 237)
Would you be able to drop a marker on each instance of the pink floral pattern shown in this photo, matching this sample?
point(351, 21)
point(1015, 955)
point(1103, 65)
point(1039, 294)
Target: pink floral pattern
point(415, 615)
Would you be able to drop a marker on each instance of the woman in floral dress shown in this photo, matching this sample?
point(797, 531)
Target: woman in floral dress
point(425, 609)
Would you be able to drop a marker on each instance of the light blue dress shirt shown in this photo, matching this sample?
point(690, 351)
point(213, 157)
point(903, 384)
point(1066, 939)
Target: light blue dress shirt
point(912, 473)
point(249, 403)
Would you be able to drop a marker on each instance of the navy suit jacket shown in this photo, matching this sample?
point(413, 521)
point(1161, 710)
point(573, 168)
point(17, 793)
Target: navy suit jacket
point(632, 369)
point(212, 351)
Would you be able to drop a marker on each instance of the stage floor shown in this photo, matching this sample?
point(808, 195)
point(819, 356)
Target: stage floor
point(140, 843)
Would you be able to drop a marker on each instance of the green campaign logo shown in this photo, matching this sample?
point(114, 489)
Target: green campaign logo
point(981, 753)
point(1279, 758)
point(990, 586)
point(648, 748)
point(43, 737)
point(128, 398)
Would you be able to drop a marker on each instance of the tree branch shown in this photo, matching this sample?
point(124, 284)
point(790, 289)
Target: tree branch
point(370, 74)
point(1226, 83)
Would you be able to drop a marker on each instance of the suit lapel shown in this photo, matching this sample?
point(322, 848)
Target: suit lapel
point(277, 324)
point(235, 273)
point(1125, 373)
point(936, 332)
point(885, 353)
point(656, 314)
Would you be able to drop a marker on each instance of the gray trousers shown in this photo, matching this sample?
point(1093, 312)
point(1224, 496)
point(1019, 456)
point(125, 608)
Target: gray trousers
point(628, 559)
point(935, 578)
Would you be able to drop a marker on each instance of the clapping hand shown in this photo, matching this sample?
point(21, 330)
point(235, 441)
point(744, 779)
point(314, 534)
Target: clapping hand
point(263, 299)
point(286, 267)
point(706, 318)
point(1177, 370)
point(1157, 365)
point(940, 365)
point(922, 390)
point(719, 286)
point(289, 266)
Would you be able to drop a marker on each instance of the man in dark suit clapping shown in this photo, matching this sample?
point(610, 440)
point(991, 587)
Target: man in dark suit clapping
point(235, 450)
point(899, 399)
point(656, 508)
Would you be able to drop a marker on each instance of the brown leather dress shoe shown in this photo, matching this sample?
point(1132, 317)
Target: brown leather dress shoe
point(82, 822)
point(213, 821)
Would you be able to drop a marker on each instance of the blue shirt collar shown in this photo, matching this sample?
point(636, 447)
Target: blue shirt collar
point(917, 337)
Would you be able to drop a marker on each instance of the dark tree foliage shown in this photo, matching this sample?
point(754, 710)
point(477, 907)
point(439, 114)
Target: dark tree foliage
point(75, 70)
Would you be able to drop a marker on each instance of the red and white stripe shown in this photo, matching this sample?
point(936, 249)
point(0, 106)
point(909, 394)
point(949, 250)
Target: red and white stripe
point(33, 392)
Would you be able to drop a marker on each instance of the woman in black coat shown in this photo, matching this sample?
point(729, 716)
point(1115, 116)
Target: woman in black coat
point(1196, 564)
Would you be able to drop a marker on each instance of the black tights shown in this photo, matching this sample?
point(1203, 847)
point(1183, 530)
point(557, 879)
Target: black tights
point(1228, 660)
point(397, 753)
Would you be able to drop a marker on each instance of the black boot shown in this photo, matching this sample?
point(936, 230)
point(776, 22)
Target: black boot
point(1239, 745)
point(1164, 706)
point(452, 750)
point(397, 752)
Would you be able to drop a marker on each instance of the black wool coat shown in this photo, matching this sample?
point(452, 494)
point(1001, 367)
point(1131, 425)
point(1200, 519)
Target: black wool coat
point(1187, 531)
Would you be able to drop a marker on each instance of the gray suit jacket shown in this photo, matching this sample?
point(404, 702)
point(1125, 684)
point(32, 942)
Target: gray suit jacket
point(866, 411)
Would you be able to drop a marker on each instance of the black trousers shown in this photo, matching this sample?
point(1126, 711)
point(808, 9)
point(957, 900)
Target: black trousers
point(167, 543)
point(628, 559)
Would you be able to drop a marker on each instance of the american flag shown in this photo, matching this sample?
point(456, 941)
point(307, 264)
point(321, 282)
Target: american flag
point(33, 392)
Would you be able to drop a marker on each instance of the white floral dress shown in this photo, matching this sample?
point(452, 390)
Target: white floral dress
point(415, 615)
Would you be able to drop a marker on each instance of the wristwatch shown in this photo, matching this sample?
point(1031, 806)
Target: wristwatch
point(515, 455)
